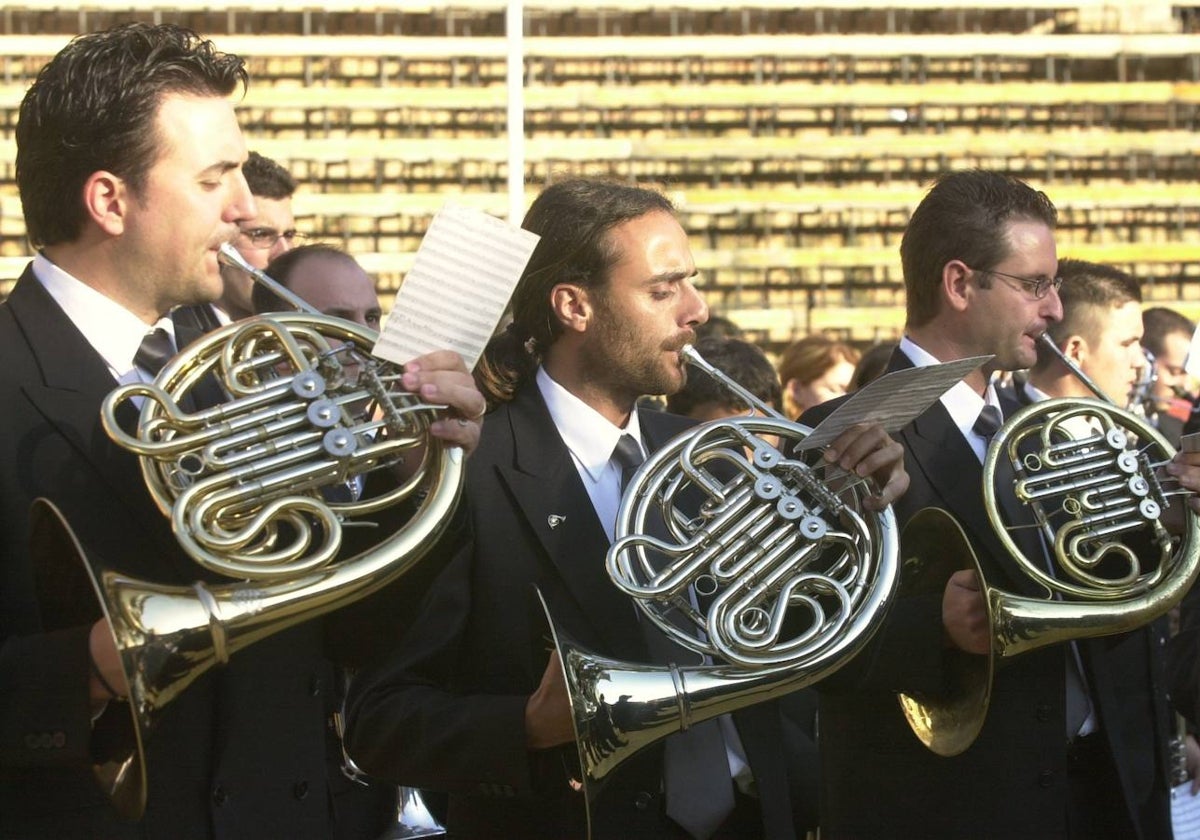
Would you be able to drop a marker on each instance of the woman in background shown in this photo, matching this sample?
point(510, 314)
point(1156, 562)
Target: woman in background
point(813, 370)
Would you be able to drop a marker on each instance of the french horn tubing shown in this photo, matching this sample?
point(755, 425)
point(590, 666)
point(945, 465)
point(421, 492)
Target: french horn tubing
point(1088, 471)
point(776, 578)
point(250, 486)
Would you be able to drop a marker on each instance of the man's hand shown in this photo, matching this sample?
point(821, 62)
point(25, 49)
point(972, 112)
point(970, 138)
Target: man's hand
point(442, 377)
point(1191, 752)
point(1185, 469)
point(548, 711)
point(865, 449)
point(107, 679)
point(964, 613)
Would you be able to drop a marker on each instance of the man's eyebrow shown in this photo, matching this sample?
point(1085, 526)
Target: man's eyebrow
point(672, 277)
point(220, 167)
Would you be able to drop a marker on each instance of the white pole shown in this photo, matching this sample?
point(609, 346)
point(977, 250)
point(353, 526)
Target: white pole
point(515, 34)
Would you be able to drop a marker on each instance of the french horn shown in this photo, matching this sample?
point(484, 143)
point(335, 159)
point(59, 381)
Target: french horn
point(251, 488)
point(777, 578)
point(1088, 471)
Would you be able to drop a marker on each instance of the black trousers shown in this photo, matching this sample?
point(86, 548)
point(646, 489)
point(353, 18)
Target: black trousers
point(1096, 806)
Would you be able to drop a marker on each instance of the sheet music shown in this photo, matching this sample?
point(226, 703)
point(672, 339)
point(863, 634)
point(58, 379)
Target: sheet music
point(893, 400)
point(1185, 812)
point(454, 295)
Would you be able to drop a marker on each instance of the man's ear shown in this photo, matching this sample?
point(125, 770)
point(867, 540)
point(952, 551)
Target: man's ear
point(106, 201)
point(1075, 348)
point(571, 307)
point(955, 285)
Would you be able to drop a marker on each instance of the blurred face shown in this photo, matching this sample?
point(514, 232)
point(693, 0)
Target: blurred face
point(1005, 316)
point(645, 313)
point(336, 286)
point(273, 221)
point(1173, 380)
point(834, 382)
point(193, 199)
point(1114, 360)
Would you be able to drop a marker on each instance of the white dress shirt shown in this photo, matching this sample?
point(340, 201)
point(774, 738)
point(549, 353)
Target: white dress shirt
point(961, 401)
point(113, 331)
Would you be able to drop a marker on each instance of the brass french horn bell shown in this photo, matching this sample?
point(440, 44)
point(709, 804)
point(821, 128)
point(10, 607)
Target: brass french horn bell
point(247, 485)
point(1088, 471)
point(792, 576)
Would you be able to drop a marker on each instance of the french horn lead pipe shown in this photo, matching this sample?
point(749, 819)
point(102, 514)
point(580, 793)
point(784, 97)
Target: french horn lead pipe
point(229, 255)
point(1048, 342)
point(692, 356)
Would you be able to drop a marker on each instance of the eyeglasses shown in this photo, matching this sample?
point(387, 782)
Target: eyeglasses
point(1039, 286)
point(267, 237)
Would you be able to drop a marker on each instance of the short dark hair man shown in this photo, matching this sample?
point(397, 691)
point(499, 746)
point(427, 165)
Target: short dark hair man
point(1082, 756)
point(129, 162)
point(1167, 335)
point(326, 277)
point(1100, 331)
point(473, 702)
point(703, 398)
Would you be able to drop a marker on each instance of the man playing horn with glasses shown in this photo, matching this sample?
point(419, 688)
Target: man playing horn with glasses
point(129, 164)
point(474, 701)
point(1072, 745)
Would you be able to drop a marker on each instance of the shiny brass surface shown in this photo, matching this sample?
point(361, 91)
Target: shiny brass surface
point(769, 574)
point(308, 413)
point(1090, 474)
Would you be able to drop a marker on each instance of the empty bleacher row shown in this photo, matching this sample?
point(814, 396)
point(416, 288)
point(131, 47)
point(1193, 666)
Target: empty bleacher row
point(795, 160)
point(608, 17)
point(706, 59)
point(656, 110)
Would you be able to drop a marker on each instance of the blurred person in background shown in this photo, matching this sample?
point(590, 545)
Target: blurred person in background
point(1168, 337)
point(813, 370)
point(872, 364)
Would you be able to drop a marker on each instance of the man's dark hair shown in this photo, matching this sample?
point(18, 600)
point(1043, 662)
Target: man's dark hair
point(872, 364)
point(1158, 322)
point(745, 363)
point(963, 217)
point(267, 179)
point(1087, 292)
point(573, 219)
point(718, 326)
point(280, 269)
point(93, 108)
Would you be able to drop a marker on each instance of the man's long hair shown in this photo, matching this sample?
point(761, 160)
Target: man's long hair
point(573, 219)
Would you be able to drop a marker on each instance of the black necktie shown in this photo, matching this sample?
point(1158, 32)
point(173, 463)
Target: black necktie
point(155, 351)
point(988, 423)
point(696, 780)
point(628, 456)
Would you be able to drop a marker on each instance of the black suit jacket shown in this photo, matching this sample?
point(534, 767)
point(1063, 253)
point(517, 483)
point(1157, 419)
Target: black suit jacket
point(243, 751)
point(879, 781)
point(447, 712)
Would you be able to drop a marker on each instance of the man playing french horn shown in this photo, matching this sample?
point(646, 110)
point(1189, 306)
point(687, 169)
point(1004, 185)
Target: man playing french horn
point(1072, 743)
point(474, 701)
point(129, 163)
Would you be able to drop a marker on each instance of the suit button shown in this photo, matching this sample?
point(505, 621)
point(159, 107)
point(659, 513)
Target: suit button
point(219, 795)
point(300, 790)
point(1045, 778)
point(1043, 712)
point(642, 800)
point(60, 739)
point(45, 740)
point(31, 741)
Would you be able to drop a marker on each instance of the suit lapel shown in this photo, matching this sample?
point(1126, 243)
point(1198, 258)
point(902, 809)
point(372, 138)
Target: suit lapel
point(559, 512)
point(75, 381)
point(938, 450)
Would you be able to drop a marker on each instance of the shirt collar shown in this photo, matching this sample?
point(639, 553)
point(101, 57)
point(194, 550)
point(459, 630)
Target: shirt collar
point(113, 331)
point(589, 436)
point(961, 401)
